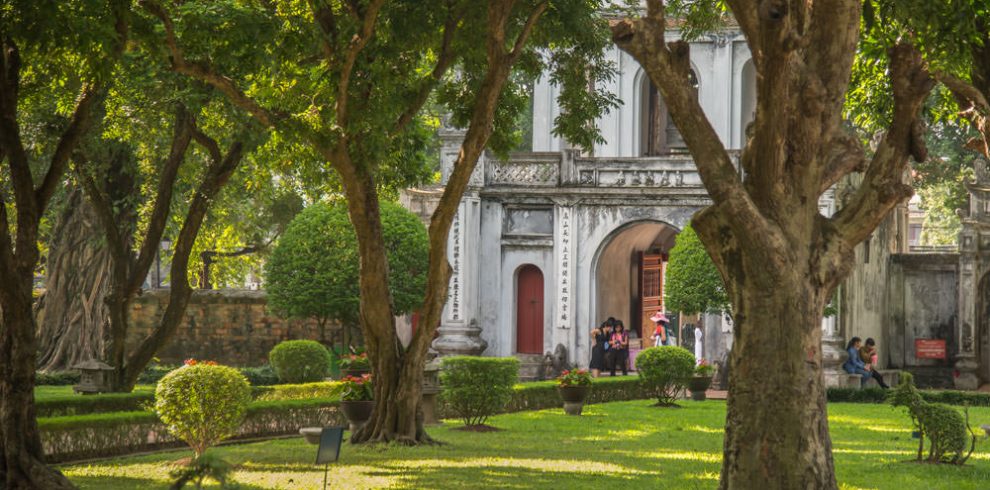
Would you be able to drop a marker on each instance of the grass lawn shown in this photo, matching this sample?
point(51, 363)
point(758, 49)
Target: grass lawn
point(48, 392)
point(617, 445)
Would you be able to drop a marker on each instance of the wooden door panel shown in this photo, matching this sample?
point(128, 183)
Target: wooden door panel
point(529, 310)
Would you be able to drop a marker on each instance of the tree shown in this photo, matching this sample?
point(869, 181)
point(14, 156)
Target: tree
point(351, 79)
point(693, 284)
point(313, 271)
point(54, 63)
point(779, 257)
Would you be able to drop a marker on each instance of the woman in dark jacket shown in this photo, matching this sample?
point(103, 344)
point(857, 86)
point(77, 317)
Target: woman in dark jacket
point(599, 338)
point(853, 364)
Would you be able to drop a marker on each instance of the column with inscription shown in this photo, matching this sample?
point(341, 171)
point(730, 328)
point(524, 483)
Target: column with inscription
point(459, 333)
point(564, 236)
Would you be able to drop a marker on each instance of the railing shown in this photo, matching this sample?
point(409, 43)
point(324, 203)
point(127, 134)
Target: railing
point(527, 169)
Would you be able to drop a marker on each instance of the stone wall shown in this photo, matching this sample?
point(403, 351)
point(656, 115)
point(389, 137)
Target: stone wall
point(230, 326)
point(923, 292)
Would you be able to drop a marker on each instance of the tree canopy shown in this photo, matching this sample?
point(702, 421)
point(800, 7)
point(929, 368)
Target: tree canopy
point(313, 270)
point(693, 284)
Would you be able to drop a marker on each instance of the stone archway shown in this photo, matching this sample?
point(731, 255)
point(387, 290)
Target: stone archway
point(618, 271)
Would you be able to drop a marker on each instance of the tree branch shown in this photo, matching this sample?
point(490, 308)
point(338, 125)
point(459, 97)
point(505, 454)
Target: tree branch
point(882, 187)
point(527, 29)
point(745, 13)
point(204, 72)
point(845, 155)
point(358, 42)
point(216, 177)
point(102, 206)
point(445, 57)
point(81, 117)
point(973, 106)
point(667, 66)
point(182, 134)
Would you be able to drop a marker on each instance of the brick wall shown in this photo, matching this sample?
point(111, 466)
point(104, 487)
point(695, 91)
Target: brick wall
point(230, 326)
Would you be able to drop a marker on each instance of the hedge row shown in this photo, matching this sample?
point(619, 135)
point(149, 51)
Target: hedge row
point(68, 405)
point(878, 395)
point(111, 434)
point(257, 376)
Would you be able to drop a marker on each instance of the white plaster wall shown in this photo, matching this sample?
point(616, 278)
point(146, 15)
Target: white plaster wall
point(717, 61)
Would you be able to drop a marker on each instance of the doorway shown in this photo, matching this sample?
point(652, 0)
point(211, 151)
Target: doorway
point(529, 310)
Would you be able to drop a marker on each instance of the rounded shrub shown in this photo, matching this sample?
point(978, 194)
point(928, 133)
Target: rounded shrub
point(478, 387)
point(300, 361)
point(665, 369)
point(202, 404)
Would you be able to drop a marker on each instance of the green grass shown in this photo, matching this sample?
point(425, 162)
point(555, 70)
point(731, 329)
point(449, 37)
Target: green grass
point(619, 445)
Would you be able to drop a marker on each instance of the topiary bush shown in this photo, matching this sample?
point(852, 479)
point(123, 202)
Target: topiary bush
point(300, 361)
point(202, 404)
point(476, 388)
point(665, 369)
point(944, 427)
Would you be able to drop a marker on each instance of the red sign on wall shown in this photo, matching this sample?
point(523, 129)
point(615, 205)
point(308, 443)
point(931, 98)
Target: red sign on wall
point(929, 348)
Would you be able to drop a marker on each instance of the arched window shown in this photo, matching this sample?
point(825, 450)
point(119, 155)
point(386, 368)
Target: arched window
point(748, 104)
point(660, 135)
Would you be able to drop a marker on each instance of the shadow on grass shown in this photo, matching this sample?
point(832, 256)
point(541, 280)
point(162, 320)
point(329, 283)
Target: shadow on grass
point(131, 483)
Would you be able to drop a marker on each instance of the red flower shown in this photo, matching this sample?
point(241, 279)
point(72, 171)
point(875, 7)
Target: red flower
point(190, 362)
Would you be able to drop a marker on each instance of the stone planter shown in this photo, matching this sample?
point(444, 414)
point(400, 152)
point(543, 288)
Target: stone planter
point(311, 434)
point(573, 397)
point(698, 385)
point(357, 412)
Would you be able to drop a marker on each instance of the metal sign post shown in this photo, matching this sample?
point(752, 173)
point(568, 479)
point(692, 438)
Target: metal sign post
point(329, 451)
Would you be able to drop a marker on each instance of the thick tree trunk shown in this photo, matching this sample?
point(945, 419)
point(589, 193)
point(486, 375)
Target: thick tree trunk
point(776, 433)
point(72, 323)
point(21, 455)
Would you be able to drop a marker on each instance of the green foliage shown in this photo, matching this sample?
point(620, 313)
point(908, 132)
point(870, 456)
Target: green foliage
point(943, 426)
point(693, 284)
point(207, 465)
point(574, 377)
point(202, 404)
point(357, 388)
point(665, 369)
point(67, 405)
point(300, 361)
point(313, 271)
point(260, 376)
point(477, 387)
point(354, 362)
point(303, 391)
point(56, 378)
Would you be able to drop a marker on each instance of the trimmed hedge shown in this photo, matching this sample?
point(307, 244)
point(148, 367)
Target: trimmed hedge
point(56, 378)
point(475, 388)
point(878, 395)
point(257, 376)
point(69, 405)
point(300, 361)
point(100, 435)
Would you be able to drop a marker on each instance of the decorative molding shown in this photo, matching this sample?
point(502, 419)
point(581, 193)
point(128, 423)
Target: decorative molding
point(523, 172)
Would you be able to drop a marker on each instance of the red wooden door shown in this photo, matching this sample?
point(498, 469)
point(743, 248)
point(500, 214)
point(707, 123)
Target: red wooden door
point(529, 310)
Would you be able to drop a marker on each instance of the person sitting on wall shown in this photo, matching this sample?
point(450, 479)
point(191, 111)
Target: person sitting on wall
point(854, 364)
point(868, 354)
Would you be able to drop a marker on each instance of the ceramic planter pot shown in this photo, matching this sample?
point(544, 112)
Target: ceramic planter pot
point(573, 397)
point(698, 385)
point(357, 412)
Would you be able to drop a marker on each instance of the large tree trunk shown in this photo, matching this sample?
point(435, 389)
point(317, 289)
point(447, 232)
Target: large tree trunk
point(70, 315)
point(21, 463)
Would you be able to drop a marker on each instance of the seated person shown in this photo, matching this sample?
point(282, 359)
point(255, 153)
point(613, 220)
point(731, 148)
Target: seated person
point(855, 365)
point(868, 354)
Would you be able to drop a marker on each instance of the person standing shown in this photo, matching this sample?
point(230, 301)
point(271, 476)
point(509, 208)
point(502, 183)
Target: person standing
point(620, 348)
point(660, 329)
point(698, 345)
point(599, 339)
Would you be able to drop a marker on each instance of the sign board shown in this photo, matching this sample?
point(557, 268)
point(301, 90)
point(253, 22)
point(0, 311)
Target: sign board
point(330, 440)
point(929, 348)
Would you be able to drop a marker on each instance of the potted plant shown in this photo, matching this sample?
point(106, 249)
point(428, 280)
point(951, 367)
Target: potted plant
point(357, 400)
point(355, 365)
point(701, 380)
point(574, 386)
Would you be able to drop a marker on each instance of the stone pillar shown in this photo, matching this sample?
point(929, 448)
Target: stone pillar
point(833, 345)
point(565, 268)
point(459, 333)
point(966, 363)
